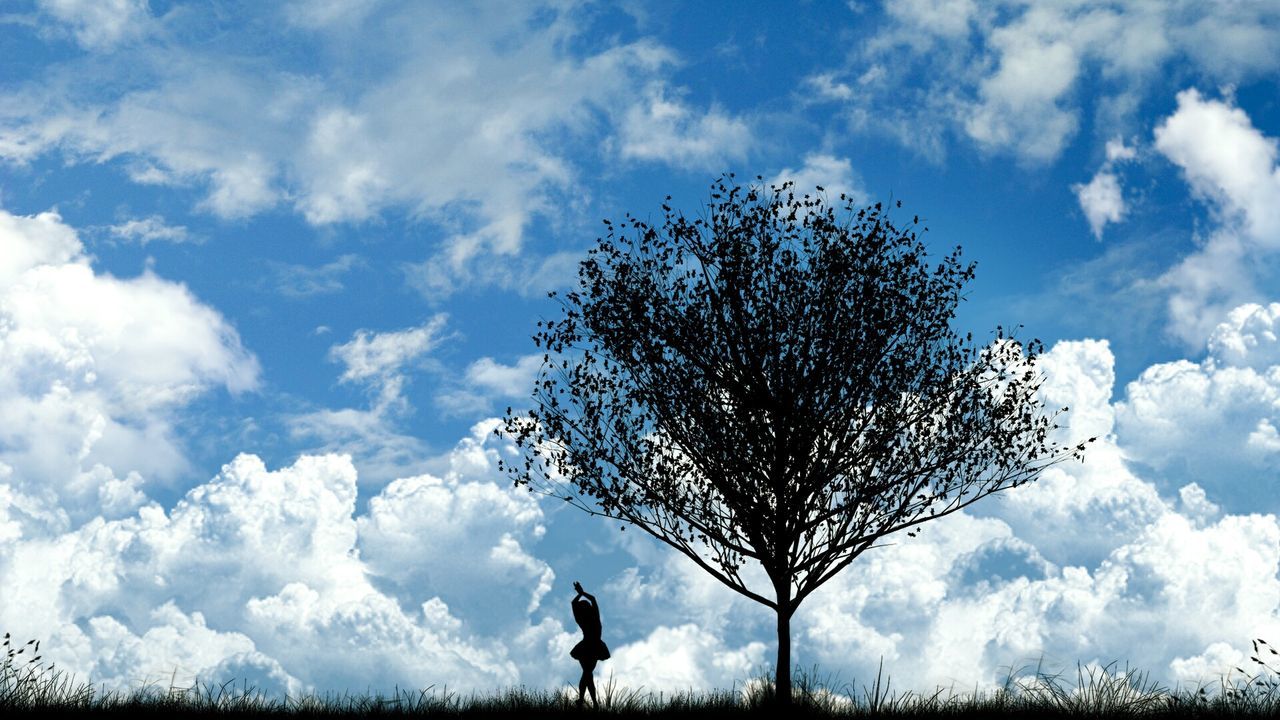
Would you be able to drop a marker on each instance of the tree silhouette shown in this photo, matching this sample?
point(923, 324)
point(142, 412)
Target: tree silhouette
point(776, 383)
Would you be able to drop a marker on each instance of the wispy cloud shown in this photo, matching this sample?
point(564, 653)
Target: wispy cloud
point(662, 128)
point(149, 229)
point(300, 281)
point(100, 24)
point(486, 381)
point(1005, 76)
point(463, 125)
point(382, 363)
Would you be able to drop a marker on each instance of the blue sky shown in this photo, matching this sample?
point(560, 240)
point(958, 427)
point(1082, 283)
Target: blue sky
point(269, 271)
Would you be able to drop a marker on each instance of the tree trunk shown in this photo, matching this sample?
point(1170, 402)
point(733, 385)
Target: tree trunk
point(782, 676)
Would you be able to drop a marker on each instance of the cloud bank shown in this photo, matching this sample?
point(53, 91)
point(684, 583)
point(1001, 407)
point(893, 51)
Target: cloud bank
point(1140, 553)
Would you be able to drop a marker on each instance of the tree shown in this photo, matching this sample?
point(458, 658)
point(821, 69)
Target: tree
point(776, 384)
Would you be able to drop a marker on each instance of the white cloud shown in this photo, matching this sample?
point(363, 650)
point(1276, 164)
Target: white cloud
point(1020, 107)
point(828, 88)
point(1213, 423)
point(1232, 166)
point(1207, 667)
point(1247, 338)
point(99, 369)
point(100, 24)
point(381, 362)
point(937, 17)
point(675, 659)
point(316, 14)
point(382, 449)
point(460, 125)
point(300, 281)
point(440, 579)
point(271, 575)
point(179, 649)
point(967, 599)
point(1091, 563)
point(835, 175)
point(1117, 151)
point(528, 275)
point(1226, 160)
point(486, 381)
point(1007, 75)
point(666, 589)
point(34, 240)
point(505, 380)
point(1101, 201)
point(664, 129)
point(380, 357)
point(474, 530)
point(1195, 505)
point(149, 229)
point(1079, 375)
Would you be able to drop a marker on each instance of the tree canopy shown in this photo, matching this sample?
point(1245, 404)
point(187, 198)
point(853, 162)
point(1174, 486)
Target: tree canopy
point(776, 383)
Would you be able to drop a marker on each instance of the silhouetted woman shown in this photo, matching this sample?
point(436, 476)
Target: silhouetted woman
point(591, 649)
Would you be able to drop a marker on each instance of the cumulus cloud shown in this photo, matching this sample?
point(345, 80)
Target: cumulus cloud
point(675, 659)
point(826, 87)
point(1101, 201)
point(177, 644)
point(98, 369)
point(270, 575)
point(1247, 338)
point(1090, 563)
point(835, 175)
point(1100, 563)
point(1094, 562)
point(441, 579)
point(1213, 422)
point(1073, 513)
point(505, 380)
point(1225, 159)
point(945, 18)
point(1117, 151)
point(35, 240)
point(445, 518)
point(1019, 106)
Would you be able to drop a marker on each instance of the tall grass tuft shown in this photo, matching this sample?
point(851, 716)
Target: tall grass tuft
point(26, 681)
point(30, 687)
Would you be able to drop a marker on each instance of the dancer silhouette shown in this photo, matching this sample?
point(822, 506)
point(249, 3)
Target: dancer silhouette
point(591, 649)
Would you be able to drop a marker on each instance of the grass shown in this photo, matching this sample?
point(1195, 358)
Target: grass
point(29, 687)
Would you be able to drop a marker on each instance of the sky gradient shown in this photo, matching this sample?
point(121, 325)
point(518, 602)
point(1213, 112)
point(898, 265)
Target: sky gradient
point(268, 273)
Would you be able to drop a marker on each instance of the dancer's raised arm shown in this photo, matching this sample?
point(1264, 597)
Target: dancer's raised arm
point(583, 593)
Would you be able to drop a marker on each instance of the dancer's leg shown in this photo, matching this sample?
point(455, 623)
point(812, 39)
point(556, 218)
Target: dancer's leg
point(588, 674)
